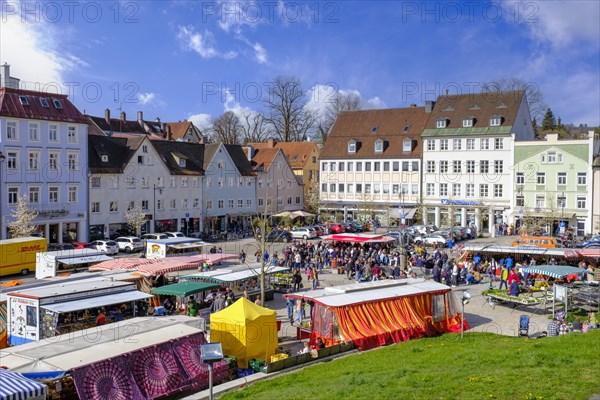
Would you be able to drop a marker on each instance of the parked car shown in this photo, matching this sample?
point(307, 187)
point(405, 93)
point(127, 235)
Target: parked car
point(174, 234)
point(432, 239)
point(324, 229)
point(303, 233)
point(357, 226)
point(129, 244)
point(348, 227)
point(593, 240)
point(60, 246)
point(107, 246)
point(318, 229)
point(278, 235)
point(154, 236)
point(336, 228)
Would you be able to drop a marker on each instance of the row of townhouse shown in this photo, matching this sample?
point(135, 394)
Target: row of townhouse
point(461, 160)
point(84, 174)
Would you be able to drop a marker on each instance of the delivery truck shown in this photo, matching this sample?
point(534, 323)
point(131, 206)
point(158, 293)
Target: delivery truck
point(18, 256)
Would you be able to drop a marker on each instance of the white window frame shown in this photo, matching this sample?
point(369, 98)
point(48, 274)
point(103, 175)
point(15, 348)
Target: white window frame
point(581, 178)
point(95, 207)
point(467, 123)
point(498, 166)
point(33, 160)
point(456, 144)
point(441, 123)
point(443, 189)
point(351, 147)
point(12, 159)
point(53, 133)
point(72, 194)
point(484, 190)
point(73, 160)
point(540, 178)
point(35, 130)
point(12, 134)
point(95, 182)
point(113, 206)
point(484, 144)
point(33, 194)
point(443, 144)
point(498, 143)
point(470, 190)
point(430, 144)
point(430, 167)
point(12, 195)
point(581, 202)
point(561, 176)
point(53, 190)
point(72, 137)
point(471, 144)
point(456, 189)
point(430, 189)
point(498, 190)
point(495, 120)
point(520, 178)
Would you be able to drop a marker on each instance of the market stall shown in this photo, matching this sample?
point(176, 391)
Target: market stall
point(15, 386)
point(359, 238)
point(378, 313)
point(161, 266)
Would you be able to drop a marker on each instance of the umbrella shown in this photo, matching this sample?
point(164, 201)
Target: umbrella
point(302, 213)
point(284, 214)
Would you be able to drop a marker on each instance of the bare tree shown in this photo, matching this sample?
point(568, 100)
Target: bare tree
point(535, 99)
point(349, 101)
point(23, 217)
point(136, 217)
point(312, 200)
point(227, 128)
point(254, 127)
point(287, 115)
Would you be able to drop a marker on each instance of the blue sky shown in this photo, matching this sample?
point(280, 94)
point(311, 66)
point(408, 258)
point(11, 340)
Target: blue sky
point(193, 59)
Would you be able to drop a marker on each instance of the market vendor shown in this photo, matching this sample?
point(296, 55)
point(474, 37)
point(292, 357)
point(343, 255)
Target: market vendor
point(514, 289)
point(192, 308)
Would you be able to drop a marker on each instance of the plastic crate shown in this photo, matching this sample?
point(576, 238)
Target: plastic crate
point(278, 357)
point(241, 372)
point(256, 364)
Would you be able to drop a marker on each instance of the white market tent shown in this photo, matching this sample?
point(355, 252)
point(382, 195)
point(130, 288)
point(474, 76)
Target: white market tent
point(229, 277)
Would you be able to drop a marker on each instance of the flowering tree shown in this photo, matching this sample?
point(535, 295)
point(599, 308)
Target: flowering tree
point(23, 216)
point(136, 217)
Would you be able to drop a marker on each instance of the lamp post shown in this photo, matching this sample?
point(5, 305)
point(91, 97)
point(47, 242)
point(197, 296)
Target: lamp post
point(466, 296)
point(2, 158)
point(210, 353)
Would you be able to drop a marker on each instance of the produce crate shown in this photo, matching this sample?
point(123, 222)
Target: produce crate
point(241, 372)
point(256, 364)
point(278, 357)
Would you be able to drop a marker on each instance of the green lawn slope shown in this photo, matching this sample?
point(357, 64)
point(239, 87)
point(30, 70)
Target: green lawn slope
point(480, 366)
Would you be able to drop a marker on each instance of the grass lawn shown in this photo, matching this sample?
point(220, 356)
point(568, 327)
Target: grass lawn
point(480, 366)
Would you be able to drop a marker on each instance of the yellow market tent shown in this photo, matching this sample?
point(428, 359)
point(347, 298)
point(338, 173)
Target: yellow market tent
point(245, 330)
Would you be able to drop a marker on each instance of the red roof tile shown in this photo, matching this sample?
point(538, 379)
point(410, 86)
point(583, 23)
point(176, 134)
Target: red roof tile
point(297, 153)
point(11, 106)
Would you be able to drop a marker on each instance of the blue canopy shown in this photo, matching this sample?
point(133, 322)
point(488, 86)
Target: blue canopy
point(14, 386)
point(554, 271)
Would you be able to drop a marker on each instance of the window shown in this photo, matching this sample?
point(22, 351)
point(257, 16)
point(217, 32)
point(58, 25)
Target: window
point(33, 132)
point(467, 122)
point(385, 188)
point(145, 181)
point(261, 202)
point(52, 133)
point(470, 144)
point(184, 204)
point(470, 190)
point(289, 200)
point(581, 178)
point(324, 167)
point(13, 195)
point(457, 144)
point(196, 203)
point(173, 204)
point(24, 101)
point(350, 187)
point(340, 188)
point(160, 182)
point(483, 190)
point(11, 130)
point(376, 188)
point(444, 144)
point(431, 144)
point(12, 160)
point(53, 195)
point(332, 188)
point(404, 188)
point(543, 158)
point(520, 200)
point(415, 166)
point(248, 203)
point(470, 166)
point(414, 189)
point(57, 104)
point(497, 190)
point(395, 189)
point(73, 161)
point(359, 166)
point(359, 188)
point(430, 189)
point(352, 147)
point(456, 189)
point(443, 189)
point(405, 166)
point(140, 160)
point(498, 166)
point(396, 166)
point(430, 166)
point(540, 178)
point(249, 181)
point(172, 182)
point(160, 204)
point(561, 178)
point(495, 120)
point(341, 166)
point(386, 166)
point(209, 204)
point(130, 182)
point(114, 206)
point(184, 181)
point(72, 194)
point(72, 134)
point(540, 201)
point(324, 187)
point(297, 199)
point(240, 182)
point(552, 157)
point(498, 144)
point(484, 166)
point(444, 166)
point(144, 205)
point(561, 201)
point(374, 129)
point(95, 182)
point(520, 178)
point(379, 146)
point(457, 166)
point(113, 182)
point(581, 202)
point(484, 144)
point(332, 166)
point(130, 205)
point(367, 166)
point(34, 195)
point(230, 203)
point(441, 123)
point(95, 207)
point(367, 188)
point(34, 161)
point(407, 145)
point(350, 169)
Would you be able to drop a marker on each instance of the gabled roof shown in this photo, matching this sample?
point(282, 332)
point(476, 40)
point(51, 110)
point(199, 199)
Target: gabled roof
point(480, 106)
point(11, 106)
point(297, 153)
point(117, 125)
point(193, 153)
point(236, 153)
point(116, 149)
point(179, 129)
point(263, 158)
point(366, 126)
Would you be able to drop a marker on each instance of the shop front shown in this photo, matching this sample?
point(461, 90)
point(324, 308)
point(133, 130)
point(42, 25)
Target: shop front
point(165, 225)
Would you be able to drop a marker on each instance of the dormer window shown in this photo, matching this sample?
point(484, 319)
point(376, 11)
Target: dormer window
point(379, 146)
point(57, 104)
point(495, 120)
point(374, 129)
point(441, 123)
point(23, 100)
point(407, 145)
point(182, 162)
point(449, 108)
point(501, 105)
point(474, 106)
point(104, 157)
point(467, 122)
point(44, 102)
point(352, 146)
point(406, 128)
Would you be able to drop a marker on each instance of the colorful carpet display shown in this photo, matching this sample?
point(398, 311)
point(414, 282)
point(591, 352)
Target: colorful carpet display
point(148, 373)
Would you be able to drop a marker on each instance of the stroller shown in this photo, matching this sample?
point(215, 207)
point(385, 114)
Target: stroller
point(524, 326)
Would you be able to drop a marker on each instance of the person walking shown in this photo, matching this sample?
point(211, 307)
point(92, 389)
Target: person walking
point(290, 308)
point(504, 278)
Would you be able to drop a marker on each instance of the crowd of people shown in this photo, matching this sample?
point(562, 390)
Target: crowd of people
point(560, 326)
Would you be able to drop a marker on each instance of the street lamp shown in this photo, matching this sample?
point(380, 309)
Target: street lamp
point(211, 353)
point(466, 296)
point(2, 158)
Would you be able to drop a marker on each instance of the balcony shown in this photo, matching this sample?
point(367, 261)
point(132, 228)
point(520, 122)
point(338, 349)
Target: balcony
point(52, 208)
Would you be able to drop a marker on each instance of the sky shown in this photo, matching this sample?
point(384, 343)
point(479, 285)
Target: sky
point(195, 60)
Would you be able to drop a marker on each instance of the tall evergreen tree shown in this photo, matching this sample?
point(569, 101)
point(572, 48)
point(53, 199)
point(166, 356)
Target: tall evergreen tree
point(549, 122)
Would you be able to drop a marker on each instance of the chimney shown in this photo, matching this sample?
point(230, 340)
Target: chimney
point(271, 142)
point(447, 92)
point(140, 118)
point(107, 116)
point(123, 116)
point(169, 134)
point(250, 152)
point(158, 120)
point(5, 76)
point(429, 106)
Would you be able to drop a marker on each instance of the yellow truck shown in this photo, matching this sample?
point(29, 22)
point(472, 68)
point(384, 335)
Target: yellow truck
point(19, 255)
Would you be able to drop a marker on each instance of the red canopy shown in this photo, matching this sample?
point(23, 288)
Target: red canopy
point(358, 238)
point(159, 266)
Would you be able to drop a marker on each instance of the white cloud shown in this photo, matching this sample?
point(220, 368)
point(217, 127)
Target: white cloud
point(374, 103)
point(260, 53)
point(202, 121)
point(234, 15)
point(319, 98)
point(201, 43)
point(146, 98)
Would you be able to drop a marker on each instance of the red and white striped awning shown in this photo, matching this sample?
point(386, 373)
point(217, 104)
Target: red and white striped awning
point(121, 263)
point(159, 266)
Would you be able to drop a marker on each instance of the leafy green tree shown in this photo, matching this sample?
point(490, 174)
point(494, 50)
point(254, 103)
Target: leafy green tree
point(549, 121)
